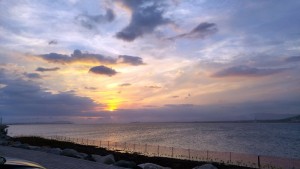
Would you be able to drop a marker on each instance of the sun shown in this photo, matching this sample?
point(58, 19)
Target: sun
point(113, 104)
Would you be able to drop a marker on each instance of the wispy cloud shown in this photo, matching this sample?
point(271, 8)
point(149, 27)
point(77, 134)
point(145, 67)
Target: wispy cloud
point(93, 21)
point(293, 59)
point(131, 60)
point(246, 71)
point(201, 31)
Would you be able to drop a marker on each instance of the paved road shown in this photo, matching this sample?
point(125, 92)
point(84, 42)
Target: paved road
point(52, 161)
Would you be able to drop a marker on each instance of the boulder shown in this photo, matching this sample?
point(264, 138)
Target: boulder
point(34, 148)
point(24, 146)
point(206, 166)
point(56, 151)
point(96, 157)
point(82, 155)
point(44, 148)
point(16, 144)
point(4, 142)
point(125, 164)
point(152, 166)
point(108, 159)
point(70, 153)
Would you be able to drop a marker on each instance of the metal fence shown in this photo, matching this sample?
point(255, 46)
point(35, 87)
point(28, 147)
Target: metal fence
point(230, 158)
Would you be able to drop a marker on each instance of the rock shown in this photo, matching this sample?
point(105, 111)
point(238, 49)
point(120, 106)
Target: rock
point(70, 153)
point(89, 157)
point(24, 146)
point(82, 155)
point(4, 142)
point(108, 159)
point(44, 149)
point(16, 144)
point(125, 164)
point(152, 166)
point(34, 148)
point(206, 166)
point(56, 151)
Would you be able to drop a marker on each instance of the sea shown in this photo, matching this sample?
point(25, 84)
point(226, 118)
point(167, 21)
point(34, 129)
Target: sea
point(270, 139)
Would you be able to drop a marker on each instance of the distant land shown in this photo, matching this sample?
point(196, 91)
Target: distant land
point(293, 119)
point(29, 123)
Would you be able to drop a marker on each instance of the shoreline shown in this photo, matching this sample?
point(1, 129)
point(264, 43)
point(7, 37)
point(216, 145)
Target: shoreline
point(134, 157)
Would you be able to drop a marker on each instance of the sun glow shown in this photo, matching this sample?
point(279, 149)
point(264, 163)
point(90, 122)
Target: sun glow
point(113, 104)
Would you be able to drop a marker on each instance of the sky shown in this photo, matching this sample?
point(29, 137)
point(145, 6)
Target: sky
point(102, 61)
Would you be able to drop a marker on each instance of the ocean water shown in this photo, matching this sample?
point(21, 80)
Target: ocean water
point(271, 139)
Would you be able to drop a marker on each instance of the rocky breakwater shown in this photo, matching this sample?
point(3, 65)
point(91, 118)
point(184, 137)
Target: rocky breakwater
point(4, 138)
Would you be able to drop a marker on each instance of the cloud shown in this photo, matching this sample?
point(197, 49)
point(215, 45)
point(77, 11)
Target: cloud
point(125, 84)
point(153, 87)
point(131, 60)
point(77, 56)
point(92, 21)
point(240, 71)
point(52, 42)
point(26, 98)
point(103, 70)
point(33, 75)
point(201, 31)
point(145, 17)
point(293, 59)
point(41, 69)
point(90, 88)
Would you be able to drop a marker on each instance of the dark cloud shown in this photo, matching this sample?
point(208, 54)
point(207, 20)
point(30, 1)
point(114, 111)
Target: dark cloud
point(145, 17)
point(131, 60)
point(25, 98)
point(90, 88)
point(33, 75)
point(293, 59)
point(201, 31)
point(92, 21)
point(179, 105)
point(77, 56)
point(103, 70)
point(41, 69)
point(52, 42)
point(125, 84)
point(153, 87)
point(216, 112)
point(247, 71)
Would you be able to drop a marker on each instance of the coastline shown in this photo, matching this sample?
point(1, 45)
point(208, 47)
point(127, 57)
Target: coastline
point(137, 158)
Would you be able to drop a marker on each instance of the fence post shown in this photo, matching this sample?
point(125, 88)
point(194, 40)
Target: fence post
point(230, 157)
point(125, 146)
point(158, 150)
point(189, 154)
point(207, 155)
point(172, 151)
point(258, 161)
point(145, 148)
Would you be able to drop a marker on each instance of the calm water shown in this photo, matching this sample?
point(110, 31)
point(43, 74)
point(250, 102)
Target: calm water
point(257, 138)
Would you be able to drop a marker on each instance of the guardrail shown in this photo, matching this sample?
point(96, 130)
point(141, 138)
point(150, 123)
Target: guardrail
point(230, 158)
